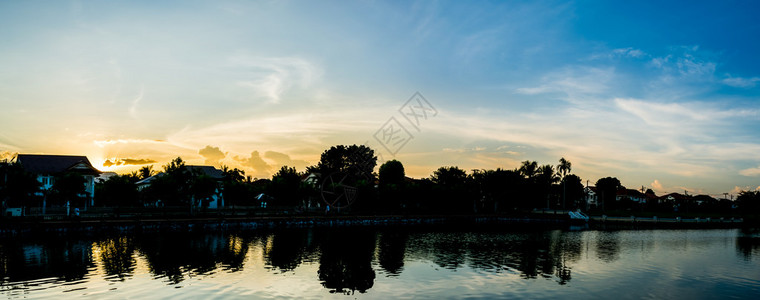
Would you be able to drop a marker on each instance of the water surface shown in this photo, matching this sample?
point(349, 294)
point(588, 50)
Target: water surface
point(382, 263)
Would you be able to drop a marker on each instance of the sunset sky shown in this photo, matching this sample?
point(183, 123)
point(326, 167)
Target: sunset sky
point(665, 96)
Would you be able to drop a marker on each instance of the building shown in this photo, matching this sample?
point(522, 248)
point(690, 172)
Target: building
point(592, 199)
point(48, 167)
point(631, 194)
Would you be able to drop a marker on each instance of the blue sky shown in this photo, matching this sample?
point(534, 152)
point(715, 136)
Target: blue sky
point(661, 95)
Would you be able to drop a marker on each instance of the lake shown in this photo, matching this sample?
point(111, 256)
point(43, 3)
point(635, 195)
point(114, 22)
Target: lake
point(385, 263)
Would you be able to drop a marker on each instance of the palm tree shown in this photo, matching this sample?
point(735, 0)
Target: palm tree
point(528, 168)
point(563, 168)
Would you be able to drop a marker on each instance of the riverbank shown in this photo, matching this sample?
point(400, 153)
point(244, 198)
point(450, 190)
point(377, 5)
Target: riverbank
point(541, 219)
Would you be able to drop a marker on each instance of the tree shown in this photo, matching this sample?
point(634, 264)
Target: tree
point(236, 189)
point(607, 188)
point(391, 178)
point(119, 191)
point(68, 187)
point(563, 168)
point(356, 160)
point(391, 172)
point(573, 189)
point(545, 178)
point(749, 202)
point(451, 189)
point(145, 172)
point(528, 168)
point(17, 186)
point(286, 186)
point(173, 188)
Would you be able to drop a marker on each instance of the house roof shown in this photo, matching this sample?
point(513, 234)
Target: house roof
point(55, 164)
point(630, 193)
point(209, 171)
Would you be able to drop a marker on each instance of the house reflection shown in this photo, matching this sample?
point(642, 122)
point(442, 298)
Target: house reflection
point(62, 259)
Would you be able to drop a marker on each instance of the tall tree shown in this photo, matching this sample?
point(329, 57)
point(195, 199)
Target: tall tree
point(391, 178)
point(607, 188)
point(563, 168)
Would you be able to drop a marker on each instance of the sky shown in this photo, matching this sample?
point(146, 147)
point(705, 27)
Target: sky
point(659, 95)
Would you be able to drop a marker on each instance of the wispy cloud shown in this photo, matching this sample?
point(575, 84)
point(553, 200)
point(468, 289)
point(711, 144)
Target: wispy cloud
point(752, 172)
point(127, 162)
point(741, 82)
point(135, 102)
point(270, 77)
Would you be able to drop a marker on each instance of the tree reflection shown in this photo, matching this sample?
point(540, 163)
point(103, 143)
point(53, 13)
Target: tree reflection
point(345, 264)
point(747, 245)
point(116, 255)
point(608, 246)
point(286, 250)
point(171, 255)
point(390, 252)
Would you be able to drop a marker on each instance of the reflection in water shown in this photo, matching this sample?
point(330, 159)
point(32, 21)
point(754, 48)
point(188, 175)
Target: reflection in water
point(66, 260)
point(390, 251)
point(116, 255)
point(347, 258)
point(748, 244)
point(286, 250)
point(345, 264)
point(608, 246)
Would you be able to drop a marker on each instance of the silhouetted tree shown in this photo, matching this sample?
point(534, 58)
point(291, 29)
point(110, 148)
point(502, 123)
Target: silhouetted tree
point(573, 189)
point(17, 187)
point(69, 187)
point(118, 190)
point(286, 186)
point(607, 188)
point(391, 180)
point(749, 202)
point(451, 189)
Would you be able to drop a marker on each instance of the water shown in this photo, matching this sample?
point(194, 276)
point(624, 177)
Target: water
point(385, 263)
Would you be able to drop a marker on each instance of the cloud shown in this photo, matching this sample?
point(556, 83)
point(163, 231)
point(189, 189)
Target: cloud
point(102, 143)
point(741, 82)
point(260, 167)
point(135, 102)
point(7, 155)
point(631, 52)
point(127, 162)
point(577, 83)
point(657, 186)
point(751, 172)
point(212, 155)
point(273, 76)
point(282, 159)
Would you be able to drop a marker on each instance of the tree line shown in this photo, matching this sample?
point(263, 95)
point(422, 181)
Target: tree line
point(449, 189)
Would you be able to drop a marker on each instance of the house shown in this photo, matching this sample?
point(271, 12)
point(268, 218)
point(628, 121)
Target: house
point(217, 201)
point(48, 167)
point(592, 199)
point(631, 194)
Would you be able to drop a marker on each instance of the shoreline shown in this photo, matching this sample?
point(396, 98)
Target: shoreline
point(15, 227)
